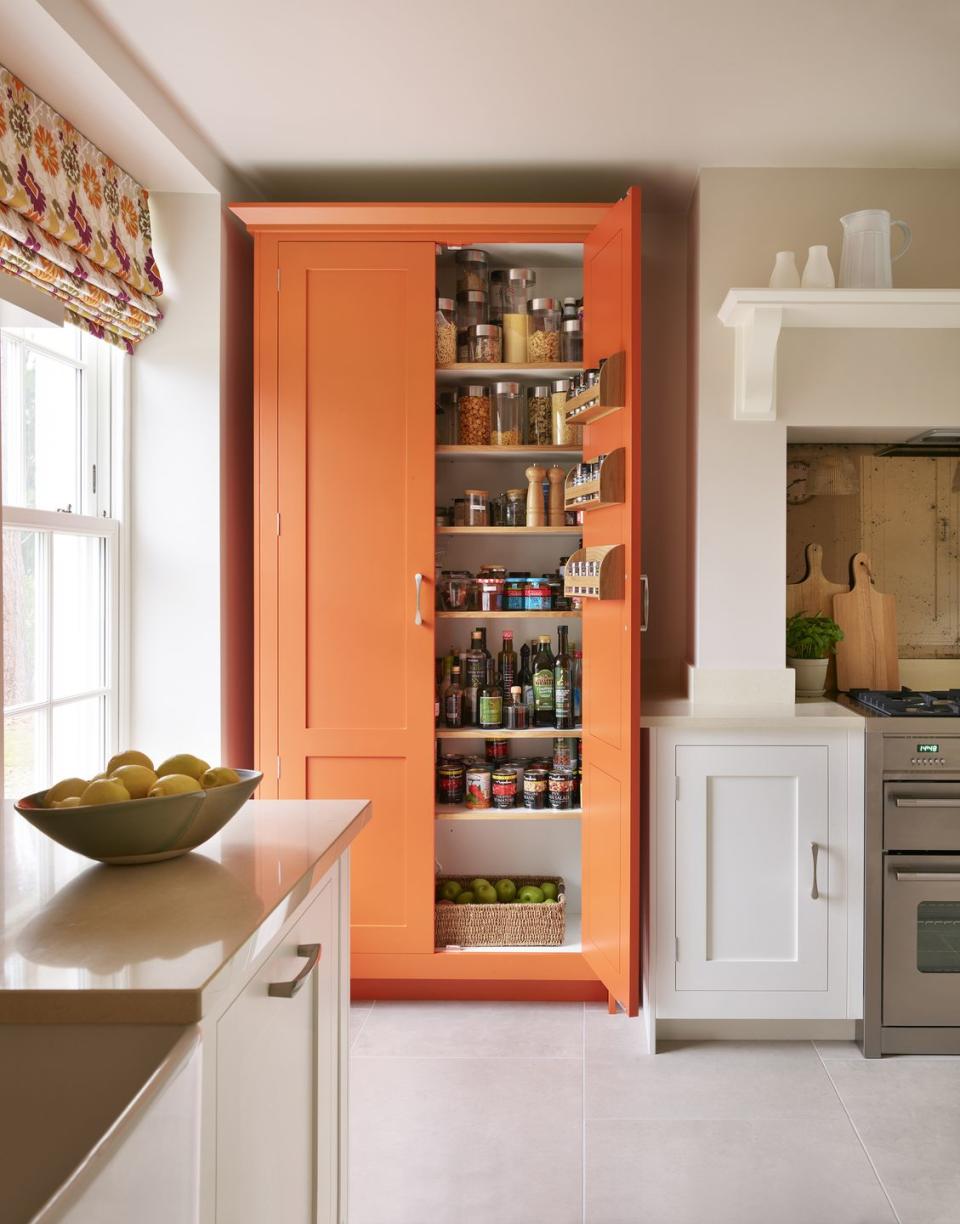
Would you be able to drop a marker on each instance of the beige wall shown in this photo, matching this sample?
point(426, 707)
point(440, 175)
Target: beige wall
point(829, 379)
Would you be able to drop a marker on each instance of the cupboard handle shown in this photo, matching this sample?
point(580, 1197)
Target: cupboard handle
point(942, 877)
point(927, 803)
point(814, 890)
point(286, 990)
point(418, 579)
point(644, 603)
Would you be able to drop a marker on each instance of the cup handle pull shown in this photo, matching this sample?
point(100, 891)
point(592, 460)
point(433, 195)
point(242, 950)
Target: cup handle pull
point(907, 238)
point(418, 580)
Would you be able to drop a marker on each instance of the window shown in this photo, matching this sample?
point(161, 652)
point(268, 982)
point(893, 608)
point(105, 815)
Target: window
point(60, 431)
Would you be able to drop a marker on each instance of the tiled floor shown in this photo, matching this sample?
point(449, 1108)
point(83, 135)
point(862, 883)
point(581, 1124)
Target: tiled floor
point(526, 1110)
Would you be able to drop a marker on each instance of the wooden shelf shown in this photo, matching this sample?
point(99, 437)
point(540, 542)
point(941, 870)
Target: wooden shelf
point(607, 584)
point(529, 733)
point(523, 614)
point(518, 813)
point(575, 530)
point(606, 396)
point(509, 452)
point(463, 371)
point(609, 489)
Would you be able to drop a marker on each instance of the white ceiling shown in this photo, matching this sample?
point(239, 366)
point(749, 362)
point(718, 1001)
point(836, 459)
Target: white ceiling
point(570, 98)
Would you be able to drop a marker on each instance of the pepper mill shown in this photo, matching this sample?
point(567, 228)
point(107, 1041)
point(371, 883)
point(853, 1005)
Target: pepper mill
point(555, 513)
point(535, 516)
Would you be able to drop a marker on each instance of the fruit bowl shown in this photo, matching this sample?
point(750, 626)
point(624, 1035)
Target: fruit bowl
point(141, 830)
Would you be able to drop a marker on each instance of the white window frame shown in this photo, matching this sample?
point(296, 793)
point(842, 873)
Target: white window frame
point(103, 484)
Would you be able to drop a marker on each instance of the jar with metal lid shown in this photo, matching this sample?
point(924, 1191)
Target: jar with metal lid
point(473, 416)
point(471, 309)
point(483, 342)
point(539, 427)
point(536, 595)
point(535, 784)
point(561, 787)
point(491, 593)
point(543, 339)
point(516, 318)
point(477, 786)
point(498, 280)
point(472, 269)
point(513, 591)
point(504, 787)
point(506, 424)
point(446, 331)
point(570, 309)
point(478, 507)
point(571, 341)
point(516, 512)
point(562, 431)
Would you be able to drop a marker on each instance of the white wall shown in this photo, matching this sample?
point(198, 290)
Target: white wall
point(833, 378)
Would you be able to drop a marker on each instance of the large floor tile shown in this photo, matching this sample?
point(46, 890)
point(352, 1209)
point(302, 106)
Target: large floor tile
point(730, 1173)
point(478, 1139)
point(907, 1112)
point(830, 1050)
point(711, 1080)
point(616, 1037)
point(482, 1030)
point(359, 1014)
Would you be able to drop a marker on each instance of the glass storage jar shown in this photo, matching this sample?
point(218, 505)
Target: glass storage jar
point(515, 515)
point(543, 339)
point(539, 427)
point(472, 269)
point(483, 342)
point(473, 416)
point(571, 341)
point(446, 331)
point(516, 319)
point(505, 428)
point(498, 280)
point(446, 418)
point(478, 501)
point(471, 309)
point(562, 430)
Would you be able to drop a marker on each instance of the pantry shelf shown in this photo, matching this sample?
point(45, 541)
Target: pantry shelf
point(521, 615)
point(457, 372)
point(503, 733)
point(575, 530)
point(518, 813)
point(509, 452)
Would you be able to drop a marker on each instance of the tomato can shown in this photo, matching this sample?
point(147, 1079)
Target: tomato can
point(504, 787)
point(451, 782)
point(497, 750)
point(477, 784)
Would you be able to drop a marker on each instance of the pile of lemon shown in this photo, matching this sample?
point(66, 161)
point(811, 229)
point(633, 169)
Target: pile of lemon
point(132, 775)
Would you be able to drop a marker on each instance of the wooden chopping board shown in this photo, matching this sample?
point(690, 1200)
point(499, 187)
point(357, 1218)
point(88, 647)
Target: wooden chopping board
point(867, 656)
point(815, 594)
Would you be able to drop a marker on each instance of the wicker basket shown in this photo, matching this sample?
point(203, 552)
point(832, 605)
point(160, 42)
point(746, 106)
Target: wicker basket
point(498, 925)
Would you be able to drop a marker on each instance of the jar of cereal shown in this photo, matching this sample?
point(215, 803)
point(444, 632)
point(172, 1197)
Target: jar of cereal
point(543, 340)
point(446, 331)
point(473, 416)
point(539, 424)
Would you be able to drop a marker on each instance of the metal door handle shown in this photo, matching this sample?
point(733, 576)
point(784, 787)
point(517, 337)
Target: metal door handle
point(418, 579)
point(814, 890)
point(644, 603)
point(927, 803)
point(940, 877)
point(286, 990)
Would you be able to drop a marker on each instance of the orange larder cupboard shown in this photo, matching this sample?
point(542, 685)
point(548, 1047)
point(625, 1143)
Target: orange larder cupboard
point(345, 496)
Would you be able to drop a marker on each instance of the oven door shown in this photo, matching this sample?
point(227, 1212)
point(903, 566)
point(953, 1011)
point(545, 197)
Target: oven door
point(921, 940)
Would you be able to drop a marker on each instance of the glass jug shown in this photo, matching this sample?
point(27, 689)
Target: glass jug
point(865, 261)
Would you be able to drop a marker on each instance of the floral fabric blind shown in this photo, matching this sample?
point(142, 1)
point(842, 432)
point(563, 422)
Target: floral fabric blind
point(73, 223)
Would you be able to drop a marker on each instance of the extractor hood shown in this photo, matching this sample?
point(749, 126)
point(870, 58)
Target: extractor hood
point(934, 443)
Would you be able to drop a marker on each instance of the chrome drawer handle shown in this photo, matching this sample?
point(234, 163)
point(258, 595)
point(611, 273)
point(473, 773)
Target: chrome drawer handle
point(286, 990)
point(941, 877)
point(927, 803)
point(814, 891)
point(418, 579)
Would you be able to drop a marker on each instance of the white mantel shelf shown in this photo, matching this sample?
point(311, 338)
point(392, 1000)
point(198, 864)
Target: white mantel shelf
point(760, 314)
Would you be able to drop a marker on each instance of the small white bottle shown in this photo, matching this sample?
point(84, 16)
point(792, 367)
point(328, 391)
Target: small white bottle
point(785, 274)
point(818, 271)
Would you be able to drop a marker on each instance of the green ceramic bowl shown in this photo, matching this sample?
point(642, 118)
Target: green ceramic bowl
point(141, 830)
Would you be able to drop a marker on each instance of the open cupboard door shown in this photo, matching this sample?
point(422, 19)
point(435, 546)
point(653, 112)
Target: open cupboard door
point(611, 628)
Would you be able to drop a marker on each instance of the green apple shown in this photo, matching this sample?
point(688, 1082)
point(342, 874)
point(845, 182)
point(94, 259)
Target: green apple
point(549, 890)
point(450, 890)
point(475, 884)
point(486, 894)
point(506, 891)
point(549, 901)
point(530, 895)
point(464, 898)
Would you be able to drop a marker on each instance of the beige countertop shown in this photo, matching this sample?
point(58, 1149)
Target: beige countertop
point(802, 716)
point(85, 943)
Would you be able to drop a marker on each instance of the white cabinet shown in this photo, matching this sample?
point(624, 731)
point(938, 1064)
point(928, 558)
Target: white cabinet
point(759, 861)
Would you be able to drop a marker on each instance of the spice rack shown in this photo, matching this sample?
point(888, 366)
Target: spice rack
point(607, 489)
point(458, 371)
point(606, 583)
point(604, 397)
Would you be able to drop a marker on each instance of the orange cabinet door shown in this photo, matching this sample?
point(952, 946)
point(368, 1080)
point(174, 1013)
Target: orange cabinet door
point(355, 439)
point(611, 630)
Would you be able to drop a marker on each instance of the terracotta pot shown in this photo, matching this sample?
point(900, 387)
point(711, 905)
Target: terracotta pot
point(811, 676)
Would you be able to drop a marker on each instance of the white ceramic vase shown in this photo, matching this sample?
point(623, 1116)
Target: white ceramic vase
point(785, 274)
point(811, 676)
point(818, 271)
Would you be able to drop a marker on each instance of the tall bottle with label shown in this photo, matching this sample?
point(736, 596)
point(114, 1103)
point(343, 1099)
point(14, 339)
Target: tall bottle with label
point(507, 664)
point(576, 679)
point(543, 700)
point(525, 681)
point(490, 705)
point(474, 679)
point(563, 683)
point(453, 701)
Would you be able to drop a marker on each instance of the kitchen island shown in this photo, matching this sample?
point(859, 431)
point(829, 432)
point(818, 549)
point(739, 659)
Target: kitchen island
point(157, 1059)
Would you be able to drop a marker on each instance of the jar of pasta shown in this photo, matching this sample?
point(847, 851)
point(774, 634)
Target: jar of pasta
point(563, 433)
point(539, 416)
point(516, 318)
point(483, 342)
point(446, 331)
point(505, 425)
point(543, 340)
point(473, 416)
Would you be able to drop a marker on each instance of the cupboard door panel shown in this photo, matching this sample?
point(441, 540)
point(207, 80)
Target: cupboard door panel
point(356, 497)
point(611, 630)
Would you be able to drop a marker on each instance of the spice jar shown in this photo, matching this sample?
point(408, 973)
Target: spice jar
point(515, 315)
point(473, 416)
point(446, 331)
point(477, 507)
point(539, 429)
point(571, 341)
point(562, 430)
point(472, 269)
point(505, 423)
point(483, 342)
point(543, 339)
point(471, 309)
point(498, 280)
point(515, 513)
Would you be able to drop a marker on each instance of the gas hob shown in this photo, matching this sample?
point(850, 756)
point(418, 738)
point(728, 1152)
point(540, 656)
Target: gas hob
point(909, 703)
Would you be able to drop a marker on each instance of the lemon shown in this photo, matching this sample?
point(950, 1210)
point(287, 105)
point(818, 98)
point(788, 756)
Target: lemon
point(136, 778)
point(219, 775)
point(104, 790)
point(71, 801)
point(182, 763)
point(68, 788)
point(173, 784)
point(130, 757)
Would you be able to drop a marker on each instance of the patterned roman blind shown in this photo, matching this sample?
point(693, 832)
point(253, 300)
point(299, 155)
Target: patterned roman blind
point(72, 223)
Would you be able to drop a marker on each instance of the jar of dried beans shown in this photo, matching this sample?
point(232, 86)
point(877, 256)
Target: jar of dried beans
point(472, 265)
point(543, 340)
point(473, 416)
point(539, 427)
point(506, 416)
point(516, 318)
point(446, 331)
point(483, 342)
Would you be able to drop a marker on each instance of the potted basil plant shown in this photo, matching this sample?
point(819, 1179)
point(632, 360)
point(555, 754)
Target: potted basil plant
point(811, 640)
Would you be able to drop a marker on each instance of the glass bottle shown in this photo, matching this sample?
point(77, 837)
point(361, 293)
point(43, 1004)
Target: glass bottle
point(491, 705)
point(475, 677)
point(576, 682)
point(525, 680)
point(571, 341)
point(453, 702)
point(447, 664)
point(543, 683)
point(563, 683)
point(507, 663)
point(515, 713)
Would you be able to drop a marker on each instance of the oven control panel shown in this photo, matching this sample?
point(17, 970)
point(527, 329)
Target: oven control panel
point(921, 754)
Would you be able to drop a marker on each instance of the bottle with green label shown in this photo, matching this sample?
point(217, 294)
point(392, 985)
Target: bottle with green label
point(490, 704)
point(563, 683)
point(474, 678)
point(543, 699)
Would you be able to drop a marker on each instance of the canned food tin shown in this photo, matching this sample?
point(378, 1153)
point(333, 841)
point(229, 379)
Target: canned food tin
point(497, 749)
point(505, 787)
point(478, 786)
point(561, 789)
point(451, 780)
point(519, 766)
point(535, 788)
point(536, 595)
point(513, 594)
point(566, 752)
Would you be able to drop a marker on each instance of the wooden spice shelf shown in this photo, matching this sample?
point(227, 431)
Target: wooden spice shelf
point(609, 489)
point(527, 733)
point(518, 813)
point(509, 452)
point(523, 613)
point(607, 584)
point(606, 396)
point(575, 530)
point(478, 370)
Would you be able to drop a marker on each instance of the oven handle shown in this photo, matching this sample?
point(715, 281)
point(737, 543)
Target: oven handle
point(927, 803)
point(940, 877)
